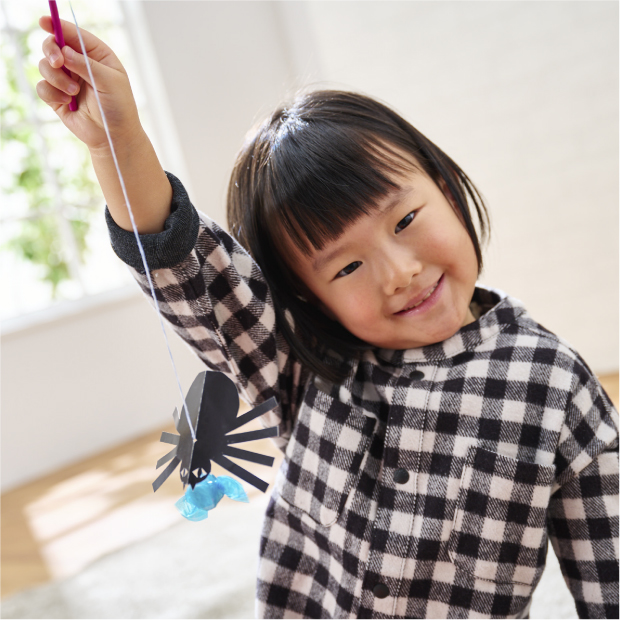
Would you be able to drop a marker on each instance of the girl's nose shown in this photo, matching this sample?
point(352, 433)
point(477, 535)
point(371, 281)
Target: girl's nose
point(401, 267)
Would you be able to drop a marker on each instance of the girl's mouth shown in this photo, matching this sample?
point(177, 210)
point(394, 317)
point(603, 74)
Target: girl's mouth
point(427, 301)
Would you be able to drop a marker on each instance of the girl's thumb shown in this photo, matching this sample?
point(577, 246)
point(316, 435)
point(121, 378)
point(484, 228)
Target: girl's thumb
point(76, 62)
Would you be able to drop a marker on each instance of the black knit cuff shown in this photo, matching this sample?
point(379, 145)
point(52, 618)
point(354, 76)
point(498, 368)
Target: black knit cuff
point(167, 248)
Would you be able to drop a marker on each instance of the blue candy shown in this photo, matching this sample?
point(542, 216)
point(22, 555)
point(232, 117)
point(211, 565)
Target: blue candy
point(205, 496)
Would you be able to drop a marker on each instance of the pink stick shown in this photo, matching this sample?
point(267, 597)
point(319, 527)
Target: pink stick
point(60, 41)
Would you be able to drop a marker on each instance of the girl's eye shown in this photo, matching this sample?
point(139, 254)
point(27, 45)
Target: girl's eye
point(405, 222)
point(348, 269)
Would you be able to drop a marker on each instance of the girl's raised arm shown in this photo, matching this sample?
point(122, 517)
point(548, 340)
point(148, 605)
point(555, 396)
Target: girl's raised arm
point(147, 185)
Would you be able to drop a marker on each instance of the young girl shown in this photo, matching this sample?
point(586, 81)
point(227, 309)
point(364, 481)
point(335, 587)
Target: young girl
point(436, 436)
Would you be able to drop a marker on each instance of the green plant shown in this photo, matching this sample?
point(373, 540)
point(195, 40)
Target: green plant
point(37, 237)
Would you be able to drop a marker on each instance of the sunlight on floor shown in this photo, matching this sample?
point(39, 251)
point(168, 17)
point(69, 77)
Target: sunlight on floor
point(55, 527)
point(69, 553)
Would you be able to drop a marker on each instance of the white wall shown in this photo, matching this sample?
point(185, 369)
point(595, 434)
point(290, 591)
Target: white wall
point(523, 95)
point(224, 65)
point(84, 383)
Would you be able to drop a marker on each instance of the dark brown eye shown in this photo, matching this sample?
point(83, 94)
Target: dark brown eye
point(348, 269)
point(405, 222)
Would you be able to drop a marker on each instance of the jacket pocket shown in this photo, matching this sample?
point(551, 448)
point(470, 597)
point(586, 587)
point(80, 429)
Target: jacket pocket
point(499, 529)
point(324, 455)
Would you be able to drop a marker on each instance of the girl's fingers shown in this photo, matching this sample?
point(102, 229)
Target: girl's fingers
point(95, 48)
point(52, 52)
point(52, 96)
point(76, 62)
point(58, 78)
point(103, 63)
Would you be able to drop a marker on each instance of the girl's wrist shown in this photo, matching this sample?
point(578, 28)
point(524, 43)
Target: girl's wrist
point(128, 143)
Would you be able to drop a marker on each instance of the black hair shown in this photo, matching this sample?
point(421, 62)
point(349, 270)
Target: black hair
point(308, 171)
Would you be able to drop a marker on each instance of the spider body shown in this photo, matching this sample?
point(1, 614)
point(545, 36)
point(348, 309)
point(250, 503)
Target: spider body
point(213, 402)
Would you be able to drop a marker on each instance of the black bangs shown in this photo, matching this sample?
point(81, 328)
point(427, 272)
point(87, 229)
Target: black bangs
point(310, 171)
point(321, 177)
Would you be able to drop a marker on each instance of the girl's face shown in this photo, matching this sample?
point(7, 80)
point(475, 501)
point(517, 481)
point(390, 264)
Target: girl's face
point(401, 277)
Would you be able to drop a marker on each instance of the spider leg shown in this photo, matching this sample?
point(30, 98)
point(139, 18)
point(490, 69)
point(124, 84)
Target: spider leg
point(166, 473)
point(246, 455)
point(268, 405)
point(238, 471)
point(252, 435)
point(170, 438)
point(165, 459)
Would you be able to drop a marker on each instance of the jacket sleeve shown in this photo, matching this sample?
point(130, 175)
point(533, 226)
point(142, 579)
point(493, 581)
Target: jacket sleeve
point(216, 299)
point(583, 511)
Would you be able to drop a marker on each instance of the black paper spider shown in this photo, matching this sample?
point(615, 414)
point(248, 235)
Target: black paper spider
point(213, 403)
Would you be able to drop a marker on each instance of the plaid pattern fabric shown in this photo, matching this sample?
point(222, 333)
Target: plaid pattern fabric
point(428, 483)
point(498, 532)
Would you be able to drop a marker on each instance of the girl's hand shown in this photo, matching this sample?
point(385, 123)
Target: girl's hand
point(148, 189)
point(115, 93)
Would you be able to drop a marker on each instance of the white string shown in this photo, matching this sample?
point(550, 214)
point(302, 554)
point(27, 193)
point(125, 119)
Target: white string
point(133, 223)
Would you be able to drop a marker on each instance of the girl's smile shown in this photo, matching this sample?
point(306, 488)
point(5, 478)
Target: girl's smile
point(424, 301)
point(401, 277)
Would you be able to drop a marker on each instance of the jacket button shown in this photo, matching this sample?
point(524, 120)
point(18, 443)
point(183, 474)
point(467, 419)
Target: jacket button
point(381, 590)
point(417, 375)
point(401, 476)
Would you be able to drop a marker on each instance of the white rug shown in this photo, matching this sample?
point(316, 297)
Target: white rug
point(192, 570)
point(198, 570)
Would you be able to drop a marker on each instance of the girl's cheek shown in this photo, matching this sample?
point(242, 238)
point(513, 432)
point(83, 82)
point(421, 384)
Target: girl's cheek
point(360, 310)
point(439, 240)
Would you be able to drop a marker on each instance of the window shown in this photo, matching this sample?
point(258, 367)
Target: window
point(54, 245)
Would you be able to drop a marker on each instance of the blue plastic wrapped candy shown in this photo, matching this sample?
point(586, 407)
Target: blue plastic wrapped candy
point(207, 493)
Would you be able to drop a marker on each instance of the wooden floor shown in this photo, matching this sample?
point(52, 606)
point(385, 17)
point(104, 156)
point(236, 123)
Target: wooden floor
point(56, 526)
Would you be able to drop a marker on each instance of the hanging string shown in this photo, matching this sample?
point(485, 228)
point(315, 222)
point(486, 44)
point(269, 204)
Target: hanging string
point(133, 222)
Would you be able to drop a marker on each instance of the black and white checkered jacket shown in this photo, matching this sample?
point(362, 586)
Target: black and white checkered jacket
point(427, 484)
